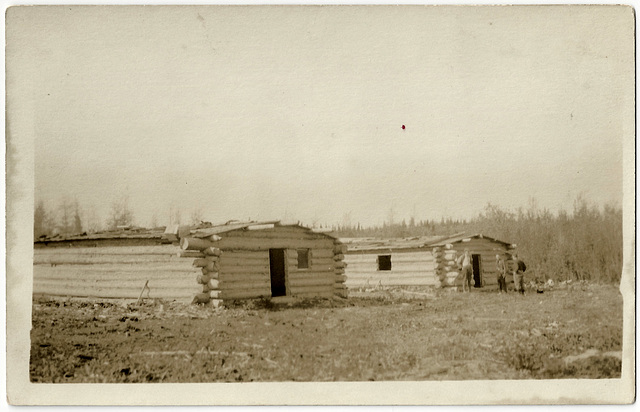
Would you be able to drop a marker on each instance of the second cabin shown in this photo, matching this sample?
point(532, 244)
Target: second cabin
point(483, 250)
point(244, 260)
point(420, 261)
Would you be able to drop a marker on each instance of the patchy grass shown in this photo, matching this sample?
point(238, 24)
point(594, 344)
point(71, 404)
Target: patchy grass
point(562, 333)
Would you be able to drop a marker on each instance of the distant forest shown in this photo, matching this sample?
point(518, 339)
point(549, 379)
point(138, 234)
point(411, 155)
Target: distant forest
point(585, 244)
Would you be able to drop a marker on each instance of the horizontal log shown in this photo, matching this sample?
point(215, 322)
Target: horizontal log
point(395, 267)
point(85, 259)
point(113, 271)
point(180, 295)
point(403, 282)
point(207, 262)
point(395, 257)
point(245, 294)
point(176, 266)
point(108, 250)
point(190, 254)
point(255, 281)
point(338, 257)
point(311, 282)
point(407, 281)
point(338, 286)
point(300, 290)
point(265, 244)
point(311, 295)
point(304, 274)
point(275, 233)
point(241, 255)
point(400, 275)
point(62, 277)
point(192, 243)
point(247, 290)
point(244, 262)
point(320, 261)
point(132, 287)
point(339, 271)
point(314, 268)
point(248, 278)
point(263, 269)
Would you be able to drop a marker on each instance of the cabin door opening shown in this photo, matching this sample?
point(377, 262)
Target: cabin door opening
point(277, 271)
point(476, 263)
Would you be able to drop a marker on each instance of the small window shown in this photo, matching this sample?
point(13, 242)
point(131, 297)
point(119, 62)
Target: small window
point(384, 262)
point(303, 258)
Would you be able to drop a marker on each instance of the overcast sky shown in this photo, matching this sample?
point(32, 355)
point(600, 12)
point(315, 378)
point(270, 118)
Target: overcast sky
point(297, 113)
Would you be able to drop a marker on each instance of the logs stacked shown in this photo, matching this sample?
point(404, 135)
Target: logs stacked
point(445, 263)
point(339, 288)
point(208, 263)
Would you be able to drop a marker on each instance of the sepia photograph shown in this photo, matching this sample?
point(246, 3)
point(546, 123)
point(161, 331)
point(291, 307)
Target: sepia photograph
point(320, 205)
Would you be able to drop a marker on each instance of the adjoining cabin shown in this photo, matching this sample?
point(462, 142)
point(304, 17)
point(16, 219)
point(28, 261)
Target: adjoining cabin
point(483, 250)
point(112, 264)
point(245, 260)
point(375, 262)
point(420, 261)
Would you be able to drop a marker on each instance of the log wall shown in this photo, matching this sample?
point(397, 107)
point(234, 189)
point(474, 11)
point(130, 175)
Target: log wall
point(112, 272)
point(407, 269)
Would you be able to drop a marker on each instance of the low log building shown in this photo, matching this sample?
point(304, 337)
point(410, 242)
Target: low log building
point(244, 260)
point(420, 261)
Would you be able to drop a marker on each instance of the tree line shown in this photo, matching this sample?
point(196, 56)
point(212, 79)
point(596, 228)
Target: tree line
point(68, 217)
point(584, 244)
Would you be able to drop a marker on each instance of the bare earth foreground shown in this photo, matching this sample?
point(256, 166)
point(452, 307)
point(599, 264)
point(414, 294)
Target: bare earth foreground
point(569, 332)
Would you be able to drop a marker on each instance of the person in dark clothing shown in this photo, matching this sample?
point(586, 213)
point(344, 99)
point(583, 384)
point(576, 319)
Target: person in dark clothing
point(518, 274)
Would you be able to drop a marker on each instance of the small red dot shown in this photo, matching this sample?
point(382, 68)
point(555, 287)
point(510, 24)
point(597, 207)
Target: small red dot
point(402, 127)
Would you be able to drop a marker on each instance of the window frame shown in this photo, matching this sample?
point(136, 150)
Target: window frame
point(308, 253)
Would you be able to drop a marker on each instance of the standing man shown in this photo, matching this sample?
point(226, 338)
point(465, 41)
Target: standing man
point(502, 274)
point(518, 274)
point(466, 270)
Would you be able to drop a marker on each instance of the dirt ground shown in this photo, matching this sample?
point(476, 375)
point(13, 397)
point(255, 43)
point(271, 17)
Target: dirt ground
point(573, 331)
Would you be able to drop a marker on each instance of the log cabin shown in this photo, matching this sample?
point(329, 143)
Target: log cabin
point(419, 261)
point(483, 251)
point(246, 260)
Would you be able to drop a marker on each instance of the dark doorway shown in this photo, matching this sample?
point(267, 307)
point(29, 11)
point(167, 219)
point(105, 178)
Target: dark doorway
point(276, 264)
point(476, 262)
